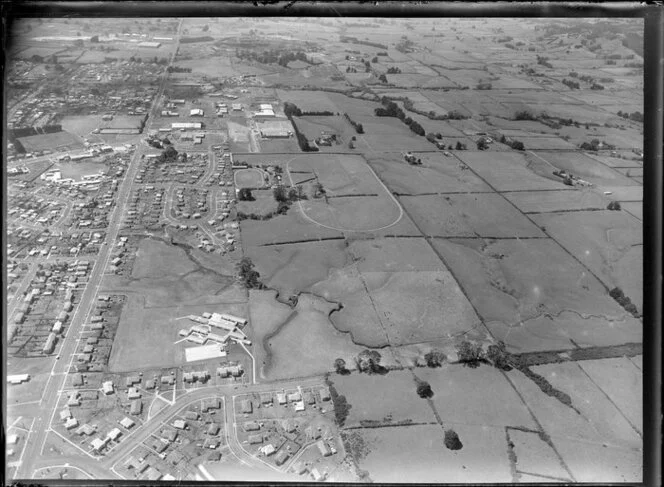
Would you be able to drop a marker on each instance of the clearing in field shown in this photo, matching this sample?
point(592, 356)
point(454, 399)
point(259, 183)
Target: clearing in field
point(610, 243)
point(535, 296)
point(468, 215)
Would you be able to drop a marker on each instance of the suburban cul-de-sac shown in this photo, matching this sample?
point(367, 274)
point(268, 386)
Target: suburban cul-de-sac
point(324, 249)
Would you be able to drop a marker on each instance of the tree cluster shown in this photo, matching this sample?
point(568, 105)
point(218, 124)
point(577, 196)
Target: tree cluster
point(619, 297)
point(484, 86)
point(469, 354)
point(248, 275)
point(572, 85)
point(434, 358)
point(245, 195)
point(424, 390)
point(341, 406)
point(368, 361)
point(392, 110)
point(393, 70)
point(544, 61)
point(452, 441)
point(635, 116)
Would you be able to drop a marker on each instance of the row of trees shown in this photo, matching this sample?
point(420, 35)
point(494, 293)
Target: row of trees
point(357, 126)
point(391, 109)
point(636, 116)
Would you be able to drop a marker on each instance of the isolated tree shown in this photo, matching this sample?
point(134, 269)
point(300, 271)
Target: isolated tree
point(245, 195)
point(434, 358)
point(318, 190)
point(94, 39)
point(382, 78)
point(424, 390)
point(340, 367)
point(614, 205)
point(452, 441)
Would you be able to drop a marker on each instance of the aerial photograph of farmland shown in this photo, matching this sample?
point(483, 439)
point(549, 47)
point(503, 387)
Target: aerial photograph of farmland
point(324, 249)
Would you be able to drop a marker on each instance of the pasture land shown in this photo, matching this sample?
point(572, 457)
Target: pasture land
point(353, 214)
point(81, 125)
point(437, 174)
point(607, 242)
point(468, 215)
point(596, 407)
point(292, 268)
point(508, 171)
point(635, 209)
point(394, 254)
point(157, 260)
point(549, 201)
point(266, 315)
point(545, 143)
point(460, 396)
point(504, 281)
point(622, 381)
point(318, 343)
point(263, 203)
point(292, 227)
point(535, 456)
point(584, 167)
point(397, 402)
point(417, 454)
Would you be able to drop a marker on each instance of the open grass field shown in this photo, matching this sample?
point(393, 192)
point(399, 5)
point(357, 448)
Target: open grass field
point(81, 125)
point(534, 296)
point(263, 203)
point(397, 402)
point(437, 174)
point(545, 143)
point(388, 134)
point(340, 174)
point(295, 267)
point(394, 254)
point(318, 343)
point(353, 214)
point(607, 242)
point(584, 167)
point(533, 455)
point(507, 171)
point(156, 259)
point(248, 178)
point(53, 142)
point(594, 403)
point(419, 306)
point(468, 215)
point(418, 454)
point(460, 396)
point(548, 201)
point(76, 170)
point(266, 315)
point(292, 227)
point(622, 381)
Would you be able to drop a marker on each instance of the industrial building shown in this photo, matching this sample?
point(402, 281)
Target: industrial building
point(276, 129)
point(186, 126)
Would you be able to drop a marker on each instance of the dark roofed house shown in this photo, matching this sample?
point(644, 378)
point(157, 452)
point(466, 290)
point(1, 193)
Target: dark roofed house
point(309, 398)
point(255, 439)
point(149, 384)
point(191, 415)
point(159, 446)
point(169, 434)
point(246, 406)
point(251, 426)
point(213, 429)
point(77, 380)
point(136, 407)
point(281, 457)
point(212, 403)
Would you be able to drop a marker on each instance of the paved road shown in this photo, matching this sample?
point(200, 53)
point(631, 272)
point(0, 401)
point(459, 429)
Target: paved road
point(56, 382)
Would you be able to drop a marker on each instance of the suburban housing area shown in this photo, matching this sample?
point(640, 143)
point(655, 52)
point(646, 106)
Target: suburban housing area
point(325, 249)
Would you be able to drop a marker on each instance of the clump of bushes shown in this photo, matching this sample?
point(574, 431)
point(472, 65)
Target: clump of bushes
point(452, 441)
point(619, 296)
point(614, 205)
